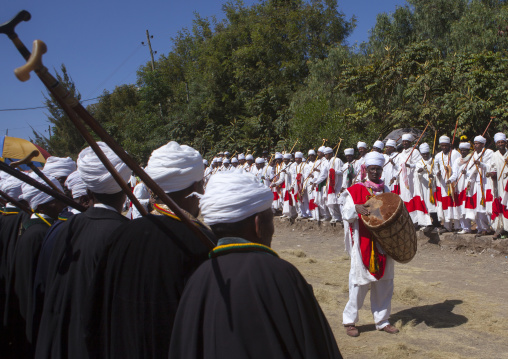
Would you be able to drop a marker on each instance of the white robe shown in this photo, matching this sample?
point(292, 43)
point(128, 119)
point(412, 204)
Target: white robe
point(497, 164)
point(143, 196)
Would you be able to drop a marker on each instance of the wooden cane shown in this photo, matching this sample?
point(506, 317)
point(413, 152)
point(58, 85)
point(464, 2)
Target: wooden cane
point(41, 187)
point(18, 204)
point(70, 104)
point(416, 144)
point(28, 161)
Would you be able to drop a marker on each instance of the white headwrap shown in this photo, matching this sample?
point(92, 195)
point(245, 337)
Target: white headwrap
point(76, 185)
point(407, 137)
point(241, 156)
point(287, 156)
point(374, 159)
point(444, 139)
point(59, 166)
point(226, 160)
point(219, 159)
point(321, 149)
point(233, 196)
point(260, 160)
point(464, 145)
point(205, 162)
point(327, 150)
point(391, 143)
point(96, 177)
point(175, 167)
point(278, 155)
point(226, 153)
point(379, 144)
point(35, 197)
point(424, 148)
point(214, 160)
point(499, 137)
point(312, 152)
point(480, 139)
point(234, 160)
point(249, 157)
point(298, 155)
point(12, 186)
point(349, 151)
point(361, 144)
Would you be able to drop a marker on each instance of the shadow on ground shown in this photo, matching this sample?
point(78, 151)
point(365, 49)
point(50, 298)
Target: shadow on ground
point(435, 316)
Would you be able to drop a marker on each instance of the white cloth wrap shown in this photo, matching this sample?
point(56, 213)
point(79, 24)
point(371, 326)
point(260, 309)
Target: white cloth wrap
point(321, 149)
point(234, 160)
point(175, 167)
point(374, 159)
point(464, 145)
point(480, 139)
point(260, 160)
point(444, 139)
point(298, 155)
point(249, 157)
point(205, 162)
point(96, 177)
point(349, 151)
point(278, 155)
point(327, 150)
point(287, 156)
point(391, 143)
point(241, 156)
point(312, 152)
point(499, 137)
point(12, 186)
point(226, 161)
point(361, 144)
point(424, 148)
point(407, 137)
point(233, 196)
point(59, 166)
point(76, 185)
point(379, 144)
point(35, 197)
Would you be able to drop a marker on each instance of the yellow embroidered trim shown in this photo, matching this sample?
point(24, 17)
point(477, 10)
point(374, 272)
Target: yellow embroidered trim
point(42, 219)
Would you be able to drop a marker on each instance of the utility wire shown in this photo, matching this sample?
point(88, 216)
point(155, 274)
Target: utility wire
point(39, 107)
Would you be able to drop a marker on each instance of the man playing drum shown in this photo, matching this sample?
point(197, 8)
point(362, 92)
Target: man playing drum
point(369, 263)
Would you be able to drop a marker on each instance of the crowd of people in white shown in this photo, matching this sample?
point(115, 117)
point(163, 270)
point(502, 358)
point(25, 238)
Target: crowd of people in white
point(449, 191)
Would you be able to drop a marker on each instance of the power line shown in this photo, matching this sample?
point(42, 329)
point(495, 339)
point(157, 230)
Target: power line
point(39, 107)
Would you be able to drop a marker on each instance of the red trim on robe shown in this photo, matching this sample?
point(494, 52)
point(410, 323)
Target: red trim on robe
point(331, 181)
point(287, 197)
point(446, 201)
point(312, 205)
point(360, 195)
point(416, 204)
point(396, 189)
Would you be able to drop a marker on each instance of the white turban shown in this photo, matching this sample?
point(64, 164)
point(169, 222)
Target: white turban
point(374, 159)
point(241, 156)
point(464, 145)
point(12, 186)
point(298, 155)
point(35, 197)
point(214, 160)
point(226, 160)
point(312, 152)
point(96, 177)
point(321, 149)
point(407, 137)
point(349, 151)
point(361, 144)
point(76, 185)
point(233, 196)
point(226, 153)
point(287, 156)
point(424, 148)
point(444, 139)
point(59, 166)
point(391, 143)
point(278, 155)
point(205, 162)
point(234, 160)
point(175, 167)
point(328, 150)
point(379, 144)
point(480, 139)
point(499, 137)
point(219, 159)
point(260, 160)
point(249, 157)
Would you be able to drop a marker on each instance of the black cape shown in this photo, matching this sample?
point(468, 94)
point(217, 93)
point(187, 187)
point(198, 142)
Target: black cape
point(138, 286)
point(79, 244)
point(19, 293)
point(9, 231)
point(250, 305)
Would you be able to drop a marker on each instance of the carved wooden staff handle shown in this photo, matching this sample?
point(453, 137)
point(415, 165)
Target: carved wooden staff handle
point(28, 161)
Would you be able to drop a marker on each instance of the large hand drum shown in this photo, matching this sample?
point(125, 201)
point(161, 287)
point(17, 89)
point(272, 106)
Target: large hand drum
point(390, 224)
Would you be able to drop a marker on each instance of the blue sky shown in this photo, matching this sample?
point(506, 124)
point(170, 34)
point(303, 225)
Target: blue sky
point(100, 44)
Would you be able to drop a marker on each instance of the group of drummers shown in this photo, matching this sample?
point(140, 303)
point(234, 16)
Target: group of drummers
point(444, 192)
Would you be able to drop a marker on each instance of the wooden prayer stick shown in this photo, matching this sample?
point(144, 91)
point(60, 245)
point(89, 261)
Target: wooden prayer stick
point(18, 204)
point(416, 144)
point(41, 187)
point(28, 161)
point(71, 104)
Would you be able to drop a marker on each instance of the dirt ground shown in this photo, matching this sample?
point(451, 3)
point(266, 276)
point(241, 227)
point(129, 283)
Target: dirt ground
point(449, 301)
